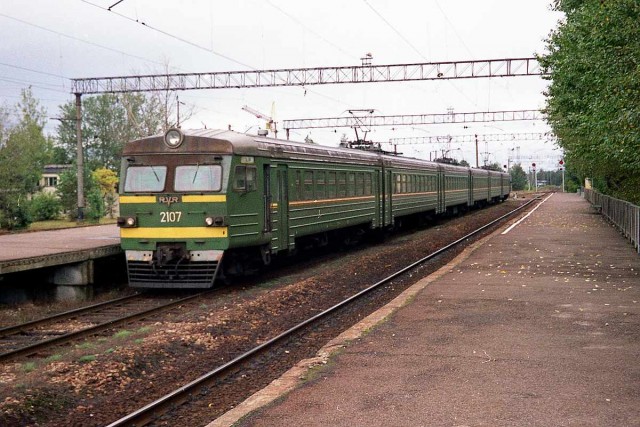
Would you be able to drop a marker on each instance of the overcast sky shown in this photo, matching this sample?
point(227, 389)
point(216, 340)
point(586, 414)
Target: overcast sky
point(45, 43)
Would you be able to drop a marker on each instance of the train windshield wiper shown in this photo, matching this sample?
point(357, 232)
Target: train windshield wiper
point(196, 173)
point(155, 173)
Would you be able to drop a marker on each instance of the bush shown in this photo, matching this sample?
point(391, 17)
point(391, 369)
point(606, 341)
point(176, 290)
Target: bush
point(45, 206)
point(14, 213)
point(95, 206)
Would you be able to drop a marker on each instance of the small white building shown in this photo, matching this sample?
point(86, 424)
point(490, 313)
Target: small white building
point(51, 177)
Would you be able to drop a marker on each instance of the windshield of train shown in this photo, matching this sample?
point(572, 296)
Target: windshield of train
point(198, 178)
point(145, 179)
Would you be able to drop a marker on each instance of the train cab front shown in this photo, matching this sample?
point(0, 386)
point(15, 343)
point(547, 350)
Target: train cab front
point(173, 212)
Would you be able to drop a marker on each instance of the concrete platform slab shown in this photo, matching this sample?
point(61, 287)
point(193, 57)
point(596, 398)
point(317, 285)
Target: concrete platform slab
point(537, 327)
point(24, 251)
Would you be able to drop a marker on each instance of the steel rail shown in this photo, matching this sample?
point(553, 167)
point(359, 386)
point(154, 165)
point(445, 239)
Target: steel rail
point(169, 401)
point(34, 348)
point(10, 330)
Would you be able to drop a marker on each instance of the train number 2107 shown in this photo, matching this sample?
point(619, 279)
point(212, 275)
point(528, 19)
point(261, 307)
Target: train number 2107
point(170, 216)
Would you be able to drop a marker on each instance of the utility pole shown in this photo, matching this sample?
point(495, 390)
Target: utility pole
point(79, 157)
point(178, 111)
point(477, 161)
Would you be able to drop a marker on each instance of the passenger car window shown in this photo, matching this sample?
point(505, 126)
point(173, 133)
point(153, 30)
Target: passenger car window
point(308, 185)
point(145, 179)
point(198, 178)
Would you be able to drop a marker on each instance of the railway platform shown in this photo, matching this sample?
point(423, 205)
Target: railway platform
point(537, 324)
point(71, 250)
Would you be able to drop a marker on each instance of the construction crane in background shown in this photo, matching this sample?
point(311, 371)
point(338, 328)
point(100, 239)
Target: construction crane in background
point(271, 124)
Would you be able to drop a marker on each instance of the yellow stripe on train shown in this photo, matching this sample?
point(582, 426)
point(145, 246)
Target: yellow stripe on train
point(137, 199)
point(204, 198)
point(173, 232)
point(186, 199)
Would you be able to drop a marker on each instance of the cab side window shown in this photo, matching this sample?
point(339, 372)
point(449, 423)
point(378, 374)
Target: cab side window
point(245, 178)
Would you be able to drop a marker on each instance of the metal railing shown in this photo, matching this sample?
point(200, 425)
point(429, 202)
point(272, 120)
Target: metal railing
point(624, 215)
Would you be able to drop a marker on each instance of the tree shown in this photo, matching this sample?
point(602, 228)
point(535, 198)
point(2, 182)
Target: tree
point(592, 102)
point(518, 178)
point(24, 150)
point(108, 122)
point(107, 180)
point(67, 191)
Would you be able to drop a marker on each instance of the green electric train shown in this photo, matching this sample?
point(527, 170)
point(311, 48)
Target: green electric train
point(196, 204)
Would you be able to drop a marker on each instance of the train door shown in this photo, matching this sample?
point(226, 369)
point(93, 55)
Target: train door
point(440, 181)
point(385, 196)
point(268, 196)
point(283, 206)
point(378, 194)
point(388, 203)
point(470, 187)
point(276, 206)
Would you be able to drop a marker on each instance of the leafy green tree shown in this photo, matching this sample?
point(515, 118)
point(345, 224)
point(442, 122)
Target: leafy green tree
point(95, 205)
point(518, 178)
point(108, 122)
point(24, 150)
point(67, 190)
point(592, 102)
point(107, 181)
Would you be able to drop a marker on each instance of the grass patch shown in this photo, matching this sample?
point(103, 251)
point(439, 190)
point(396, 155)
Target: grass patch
point(109, 350)
point(138, 341)
point(122, 334)
point(54, 224)
point(29, 367)
point(88, 358)
point(86, 345)
point(144, 330)
point(53, 358)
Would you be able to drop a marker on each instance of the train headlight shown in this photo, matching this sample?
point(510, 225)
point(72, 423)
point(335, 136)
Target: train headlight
point(173, 138)
point(127, 221)
point(214, 221)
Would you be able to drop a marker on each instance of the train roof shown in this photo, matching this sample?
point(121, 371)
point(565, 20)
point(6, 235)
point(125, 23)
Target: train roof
point(196, 141)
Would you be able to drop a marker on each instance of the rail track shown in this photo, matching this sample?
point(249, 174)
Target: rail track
point(32, 337)
point(203, 385)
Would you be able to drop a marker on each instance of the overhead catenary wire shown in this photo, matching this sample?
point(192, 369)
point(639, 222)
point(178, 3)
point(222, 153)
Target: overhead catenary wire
point(34, 71)
point(166, 33)
point(320, 36)
point(197, 45)
point(453, 28)
point(80, 40)
point(395, 30)
point(36, 85)
point(414, 48)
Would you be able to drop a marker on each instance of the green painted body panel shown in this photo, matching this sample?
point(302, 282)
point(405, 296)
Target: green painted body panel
point(173, 216)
